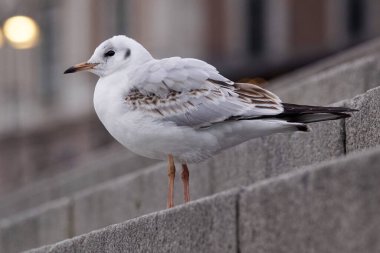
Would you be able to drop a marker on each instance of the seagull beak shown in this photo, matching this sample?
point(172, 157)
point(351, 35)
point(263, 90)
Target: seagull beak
point(80, 67)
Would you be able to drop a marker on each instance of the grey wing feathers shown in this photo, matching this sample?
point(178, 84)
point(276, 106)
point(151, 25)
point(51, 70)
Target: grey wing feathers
point(160, 76)
point(192, 93)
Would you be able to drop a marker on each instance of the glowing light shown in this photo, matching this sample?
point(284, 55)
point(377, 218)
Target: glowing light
point(21, 32)
point(1, 38)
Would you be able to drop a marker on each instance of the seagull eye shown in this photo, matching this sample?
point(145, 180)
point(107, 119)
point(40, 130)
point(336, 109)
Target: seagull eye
point(109, 53)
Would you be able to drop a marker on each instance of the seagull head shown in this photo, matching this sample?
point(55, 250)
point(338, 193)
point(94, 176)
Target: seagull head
point(112, 55)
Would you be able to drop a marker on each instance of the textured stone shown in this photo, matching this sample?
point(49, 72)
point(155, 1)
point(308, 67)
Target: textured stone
point(111, 202)
point(102, 166)
point(208, 225)
point(363, 50)
point(133, 195)
point(44, 249)
point(273, 155)
point(362, 130)
point(27, 155)
point(331, 207)
point(47, 224)
point(332, 85)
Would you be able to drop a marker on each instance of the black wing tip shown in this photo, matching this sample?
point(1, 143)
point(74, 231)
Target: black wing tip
point(342, 115)
point(303, 128)
point(301, 109)
point(316, 117)
point(70, 70)
point(342, 109)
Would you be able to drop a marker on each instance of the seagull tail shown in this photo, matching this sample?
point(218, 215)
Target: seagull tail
point(309, 114)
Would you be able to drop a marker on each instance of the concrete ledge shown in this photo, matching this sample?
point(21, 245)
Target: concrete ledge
point(111, 202)
point(338, 83)
point(208, 225)
point(27, 155)
point(102, 166)
point(44, 225)
point(324, 69)
point(365, 49)
point(332, 207)
point(131, 196)
point(362, 130)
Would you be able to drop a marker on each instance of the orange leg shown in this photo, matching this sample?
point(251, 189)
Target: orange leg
point(185, 181)
point(171, 174)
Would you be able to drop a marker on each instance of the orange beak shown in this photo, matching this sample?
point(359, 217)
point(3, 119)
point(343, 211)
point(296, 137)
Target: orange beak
point(80, 67)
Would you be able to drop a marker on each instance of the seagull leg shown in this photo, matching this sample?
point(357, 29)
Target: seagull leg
point(185, 181)
point(171, 174)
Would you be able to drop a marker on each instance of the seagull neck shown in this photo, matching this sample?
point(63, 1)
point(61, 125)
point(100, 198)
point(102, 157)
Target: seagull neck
point(142, 60)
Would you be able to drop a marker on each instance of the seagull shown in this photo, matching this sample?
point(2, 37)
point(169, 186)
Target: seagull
point(182, 109)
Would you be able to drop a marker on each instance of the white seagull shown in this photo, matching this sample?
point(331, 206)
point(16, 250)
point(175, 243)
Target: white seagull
point(183, 109)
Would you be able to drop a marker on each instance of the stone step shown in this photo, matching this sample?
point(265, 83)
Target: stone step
point(340, 77)
point(330, 207)
point(336, 78)
point(28, 155)
point(363, 50)
point(101, 166)
point(144, 191)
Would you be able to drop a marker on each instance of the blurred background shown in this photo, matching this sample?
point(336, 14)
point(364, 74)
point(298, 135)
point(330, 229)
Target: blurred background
point(47, 122)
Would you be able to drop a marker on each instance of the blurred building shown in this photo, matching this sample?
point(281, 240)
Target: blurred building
point(47, 118)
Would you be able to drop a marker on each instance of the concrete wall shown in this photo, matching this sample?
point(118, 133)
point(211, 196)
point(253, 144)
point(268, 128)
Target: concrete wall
point(29, 156)
point(331, 207)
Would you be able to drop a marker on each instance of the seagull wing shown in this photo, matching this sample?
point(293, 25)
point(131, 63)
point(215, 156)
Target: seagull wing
point(193, 93)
